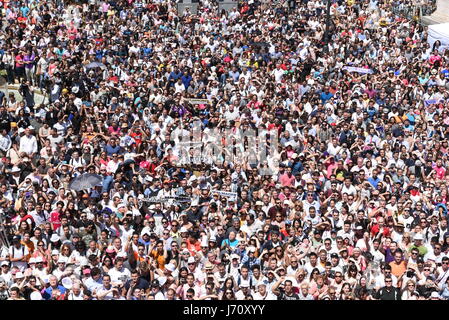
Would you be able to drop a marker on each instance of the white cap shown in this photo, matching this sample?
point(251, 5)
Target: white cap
point(35, 295)
point(62, 260)
point(251, 249)
point(54, 238)
point(32, 260)
point(122, 255)
point(121, 205)
point(4, 263)
point(418, 237)
point(204, 242)
point(191, 260)
point(170, 267)
point(183, 229)
point(235, 256)
point(39, 259)
point(435, 295)
point(15, 169)
point(67, 283)
point(54, 252)
point(19, 275)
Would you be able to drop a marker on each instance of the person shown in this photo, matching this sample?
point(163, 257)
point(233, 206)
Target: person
point(388, 292)
point(18, 254)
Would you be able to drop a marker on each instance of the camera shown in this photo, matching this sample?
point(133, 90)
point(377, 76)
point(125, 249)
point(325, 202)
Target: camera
point(410, 273)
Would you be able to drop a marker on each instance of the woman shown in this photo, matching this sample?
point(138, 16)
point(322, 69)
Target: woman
point(352, 275)
point(228, 285)
point(228, 294)
point(361, 288)
point(19, 66)
point(107, 264)
point(410, 292)
point(41, 252)
point(78, 256)
point(66, 251)
point(317, 286)
point(346, 292)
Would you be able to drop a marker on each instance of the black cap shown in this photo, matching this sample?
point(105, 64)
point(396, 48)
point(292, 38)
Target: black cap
point(76, 235)
point(155, 283)
point(334, 255)
point(16, 238)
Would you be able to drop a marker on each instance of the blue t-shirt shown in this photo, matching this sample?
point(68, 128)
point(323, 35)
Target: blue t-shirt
point(47, 292)
point(232, 244)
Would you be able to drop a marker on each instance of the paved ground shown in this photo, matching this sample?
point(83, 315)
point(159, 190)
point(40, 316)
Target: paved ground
point(38, 96)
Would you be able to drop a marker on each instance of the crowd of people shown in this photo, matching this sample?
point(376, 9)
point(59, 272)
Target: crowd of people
point(353, 206)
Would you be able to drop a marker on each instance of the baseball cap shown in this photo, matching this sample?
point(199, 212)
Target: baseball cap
point(191, 260)
point(418, 237)
point(433, 295)
point(54, 252)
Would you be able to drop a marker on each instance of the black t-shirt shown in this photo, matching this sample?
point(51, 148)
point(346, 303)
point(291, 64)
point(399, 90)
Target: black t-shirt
point(141, 284)
point(284, 296)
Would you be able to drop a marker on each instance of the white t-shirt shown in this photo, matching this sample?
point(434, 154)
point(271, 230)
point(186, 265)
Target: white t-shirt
point(18, 253)
point(119, 275)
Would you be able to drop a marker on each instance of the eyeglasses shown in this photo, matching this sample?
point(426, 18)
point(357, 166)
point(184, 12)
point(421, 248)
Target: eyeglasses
point(388, 281)
point(189, 296)
point(445, 263)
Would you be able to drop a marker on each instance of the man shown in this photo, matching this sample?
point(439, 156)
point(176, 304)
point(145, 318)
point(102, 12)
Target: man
point(136, 282)
point(48, 293)
point(156, 290)
point(119, 274)
point(388, 292)
point(28, 143)
point(94, 282)
point(106, 292)
point(398, 266)
point(18, 254)
point(262, 293)
point(442, 272)
point(287, 292)
point(304, 292)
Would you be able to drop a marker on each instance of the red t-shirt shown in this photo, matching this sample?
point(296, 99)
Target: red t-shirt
point(54, 218)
